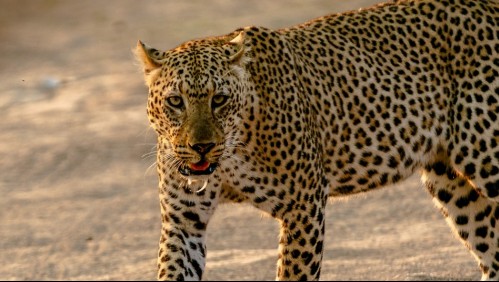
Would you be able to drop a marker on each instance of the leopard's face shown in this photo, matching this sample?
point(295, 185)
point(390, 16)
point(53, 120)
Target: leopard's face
point(195, 95)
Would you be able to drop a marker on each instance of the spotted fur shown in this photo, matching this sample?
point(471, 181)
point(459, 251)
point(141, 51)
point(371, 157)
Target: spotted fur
point(346, 103)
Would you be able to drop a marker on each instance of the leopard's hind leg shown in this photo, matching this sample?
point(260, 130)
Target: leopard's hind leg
point(471, 216)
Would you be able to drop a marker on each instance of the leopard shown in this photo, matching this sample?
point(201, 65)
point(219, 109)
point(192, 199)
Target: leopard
point(287, 119)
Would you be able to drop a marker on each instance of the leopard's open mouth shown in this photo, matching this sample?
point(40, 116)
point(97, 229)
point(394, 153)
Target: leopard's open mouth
point(200, 168)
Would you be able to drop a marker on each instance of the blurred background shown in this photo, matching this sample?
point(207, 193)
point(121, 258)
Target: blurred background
point(78, 188)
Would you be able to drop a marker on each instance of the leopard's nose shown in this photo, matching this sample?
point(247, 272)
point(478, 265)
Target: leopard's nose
point(202, 148)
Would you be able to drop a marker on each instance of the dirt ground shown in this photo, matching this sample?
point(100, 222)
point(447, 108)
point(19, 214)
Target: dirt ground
point(78, 194)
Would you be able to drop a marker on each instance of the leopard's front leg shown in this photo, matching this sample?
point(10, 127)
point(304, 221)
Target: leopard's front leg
point(185, 213)
point(301, 241)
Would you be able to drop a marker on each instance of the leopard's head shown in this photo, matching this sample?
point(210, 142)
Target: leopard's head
point(196, 93)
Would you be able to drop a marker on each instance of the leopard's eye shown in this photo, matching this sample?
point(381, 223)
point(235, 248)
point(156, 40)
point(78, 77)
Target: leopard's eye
point(219, 100)
point(175, 102)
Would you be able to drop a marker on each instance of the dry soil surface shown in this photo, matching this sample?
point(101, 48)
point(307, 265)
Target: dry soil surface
point(78, 196)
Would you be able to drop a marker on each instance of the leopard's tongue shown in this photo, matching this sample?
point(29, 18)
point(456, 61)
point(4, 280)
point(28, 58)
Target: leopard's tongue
point(201, 166)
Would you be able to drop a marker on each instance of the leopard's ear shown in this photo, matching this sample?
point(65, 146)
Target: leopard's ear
point(151, 60)
point(239, 56)
point(237, 42)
